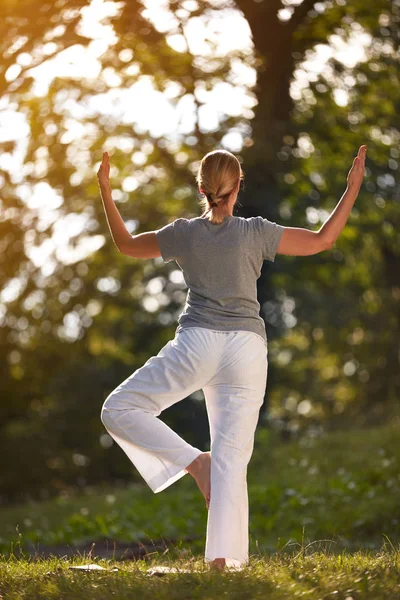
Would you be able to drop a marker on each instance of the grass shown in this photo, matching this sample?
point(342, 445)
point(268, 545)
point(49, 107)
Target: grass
point(362, 575)
point(324, 523)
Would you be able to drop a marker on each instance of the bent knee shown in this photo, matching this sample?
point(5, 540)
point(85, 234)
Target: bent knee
point(107, 412)
point(121, 400)
point(116, 404)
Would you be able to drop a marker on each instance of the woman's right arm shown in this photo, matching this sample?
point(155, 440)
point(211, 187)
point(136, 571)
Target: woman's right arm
point(297, 241)
point(118, 230)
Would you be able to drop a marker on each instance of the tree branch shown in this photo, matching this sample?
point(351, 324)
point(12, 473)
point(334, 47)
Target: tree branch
point(300, 14)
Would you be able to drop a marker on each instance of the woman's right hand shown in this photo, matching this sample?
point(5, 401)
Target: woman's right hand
point(104, 170)
point(356, 173)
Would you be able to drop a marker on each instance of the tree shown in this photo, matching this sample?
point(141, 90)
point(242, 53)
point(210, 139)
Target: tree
point(72, 332)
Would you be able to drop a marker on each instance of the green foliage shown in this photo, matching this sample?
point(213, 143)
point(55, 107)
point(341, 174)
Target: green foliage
point(322, 525)
point(332, 319)
point(346, 299)
point(342, 489)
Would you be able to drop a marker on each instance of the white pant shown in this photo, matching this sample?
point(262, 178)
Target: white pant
point(231, 369)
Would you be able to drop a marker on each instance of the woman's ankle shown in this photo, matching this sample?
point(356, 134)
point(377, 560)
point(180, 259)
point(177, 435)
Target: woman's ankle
point(195, 466)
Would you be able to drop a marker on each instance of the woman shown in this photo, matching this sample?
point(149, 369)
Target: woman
point(220, 345)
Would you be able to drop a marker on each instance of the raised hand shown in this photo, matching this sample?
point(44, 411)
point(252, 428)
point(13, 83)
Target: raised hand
point(356, 173)
point(104, 170)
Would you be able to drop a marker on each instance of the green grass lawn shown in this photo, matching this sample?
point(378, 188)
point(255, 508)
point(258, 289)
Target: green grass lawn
point(324, 523)
point(363, 575)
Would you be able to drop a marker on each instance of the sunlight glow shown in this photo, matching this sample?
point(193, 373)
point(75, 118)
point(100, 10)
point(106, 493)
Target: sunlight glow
point(210, 38)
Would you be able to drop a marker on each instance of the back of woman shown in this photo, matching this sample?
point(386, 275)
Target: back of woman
point(221, 264)
point(220, 346)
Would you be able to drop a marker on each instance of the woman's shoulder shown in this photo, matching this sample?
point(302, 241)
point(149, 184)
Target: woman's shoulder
point(242, 223)
point(201, 220)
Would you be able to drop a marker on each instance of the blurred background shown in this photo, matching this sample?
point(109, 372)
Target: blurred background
point(292, 88)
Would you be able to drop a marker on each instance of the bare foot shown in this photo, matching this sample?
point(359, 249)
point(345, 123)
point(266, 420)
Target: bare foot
point(200, 469)
point(218, 563)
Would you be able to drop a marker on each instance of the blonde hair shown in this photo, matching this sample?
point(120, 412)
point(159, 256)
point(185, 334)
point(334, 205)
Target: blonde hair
point(217, 177)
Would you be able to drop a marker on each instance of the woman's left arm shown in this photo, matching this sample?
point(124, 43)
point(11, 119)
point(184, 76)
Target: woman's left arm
point(142, 245)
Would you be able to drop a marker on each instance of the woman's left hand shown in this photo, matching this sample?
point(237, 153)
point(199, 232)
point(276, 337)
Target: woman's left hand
point(104, 170)
point(356, 173)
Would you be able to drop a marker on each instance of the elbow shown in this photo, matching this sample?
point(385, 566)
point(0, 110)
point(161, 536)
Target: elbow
point(121, 245)
point(325, 243)
point(122, 249)
point(128, 248)
point(328, 245)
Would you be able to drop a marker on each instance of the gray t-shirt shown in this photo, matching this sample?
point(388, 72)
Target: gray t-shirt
point(221, 265)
